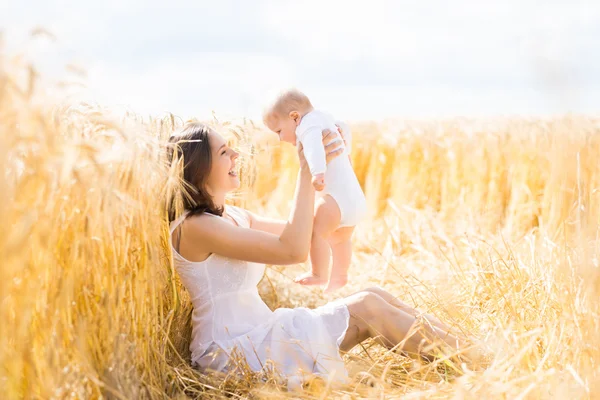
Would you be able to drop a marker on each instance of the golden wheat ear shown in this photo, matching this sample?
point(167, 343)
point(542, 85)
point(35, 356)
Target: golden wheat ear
point(491, 225)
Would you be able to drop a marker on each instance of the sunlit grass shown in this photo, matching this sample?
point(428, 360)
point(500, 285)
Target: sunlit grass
point(492, 225)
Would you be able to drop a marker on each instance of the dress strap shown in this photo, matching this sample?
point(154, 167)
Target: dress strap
point(238, 216)
point(175, 223)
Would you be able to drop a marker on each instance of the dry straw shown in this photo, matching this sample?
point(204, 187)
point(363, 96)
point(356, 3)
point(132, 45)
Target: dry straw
point(492, 225)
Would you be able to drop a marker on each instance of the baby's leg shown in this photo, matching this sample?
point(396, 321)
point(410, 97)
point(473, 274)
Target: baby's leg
point(327, 219)
point(341, 247)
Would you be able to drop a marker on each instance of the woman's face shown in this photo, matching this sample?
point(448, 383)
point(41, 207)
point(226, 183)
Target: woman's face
point(223, 176)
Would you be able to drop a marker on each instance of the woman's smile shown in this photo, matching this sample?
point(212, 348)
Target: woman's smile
point(233, 171)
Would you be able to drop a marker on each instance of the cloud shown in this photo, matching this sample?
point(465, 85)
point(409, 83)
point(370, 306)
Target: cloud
point(359, 59)
point(194, 85)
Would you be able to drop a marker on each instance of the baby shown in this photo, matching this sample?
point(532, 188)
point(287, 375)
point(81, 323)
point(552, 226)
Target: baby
point(340, 202)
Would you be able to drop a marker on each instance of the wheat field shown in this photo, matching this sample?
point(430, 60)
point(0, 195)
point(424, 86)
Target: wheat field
point(490, 224)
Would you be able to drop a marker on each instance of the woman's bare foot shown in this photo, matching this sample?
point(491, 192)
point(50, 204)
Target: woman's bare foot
point(309, 279)
point(336, 283)
point(478, 357)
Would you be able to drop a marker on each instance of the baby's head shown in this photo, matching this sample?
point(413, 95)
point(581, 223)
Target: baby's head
point(285, 113)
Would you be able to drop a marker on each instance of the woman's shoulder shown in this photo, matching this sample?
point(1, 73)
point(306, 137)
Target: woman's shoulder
point(204, 222)
point(199, 224)
point(193, 229)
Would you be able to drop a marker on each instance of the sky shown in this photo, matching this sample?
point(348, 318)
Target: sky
point(357, 60)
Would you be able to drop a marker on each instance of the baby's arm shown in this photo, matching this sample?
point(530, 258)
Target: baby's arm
point(314, 152)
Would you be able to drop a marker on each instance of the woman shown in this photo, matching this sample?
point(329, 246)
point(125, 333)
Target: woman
point(220, 251)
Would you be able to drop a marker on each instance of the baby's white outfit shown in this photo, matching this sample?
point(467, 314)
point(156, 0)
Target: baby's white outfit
point(229, 315)
point(340, 181)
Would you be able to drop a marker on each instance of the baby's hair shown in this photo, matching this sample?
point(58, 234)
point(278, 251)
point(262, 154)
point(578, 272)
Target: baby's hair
point(289, 100)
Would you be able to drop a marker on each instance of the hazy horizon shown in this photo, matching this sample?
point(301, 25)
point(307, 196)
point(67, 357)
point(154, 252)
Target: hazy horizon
point(357, 61)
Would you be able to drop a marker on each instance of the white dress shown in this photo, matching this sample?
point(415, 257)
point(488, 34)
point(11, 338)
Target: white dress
point(340, 180)
point(230, 314)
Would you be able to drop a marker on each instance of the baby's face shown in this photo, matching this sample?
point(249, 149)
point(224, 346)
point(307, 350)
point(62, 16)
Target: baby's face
point(284, 126)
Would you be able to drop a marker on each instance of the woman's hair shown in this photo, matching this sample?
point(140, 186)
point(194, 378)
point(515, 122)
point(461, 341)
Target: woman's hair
point(191, 147)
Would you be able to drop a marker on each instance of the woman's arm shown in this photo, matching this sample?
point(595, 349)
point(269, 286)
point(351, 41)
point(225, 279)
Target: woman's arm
point(275, 226)
point(206, 234)
point(265, 224)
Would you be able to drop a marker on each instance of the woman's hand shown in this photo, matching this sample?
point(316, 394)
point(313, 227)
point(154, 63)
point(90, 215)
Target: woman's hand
point(333, 147)
point(318, 182)
point(304, 168)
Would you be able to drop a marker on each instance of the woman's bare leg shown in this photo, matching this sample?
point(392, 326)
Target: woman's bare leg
point(391, 299)
point(372, 316)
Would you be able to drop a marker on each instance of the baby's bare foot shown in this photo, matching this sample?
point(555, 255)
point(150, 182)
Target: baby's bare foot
point(309, 279)
point(336, 283)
